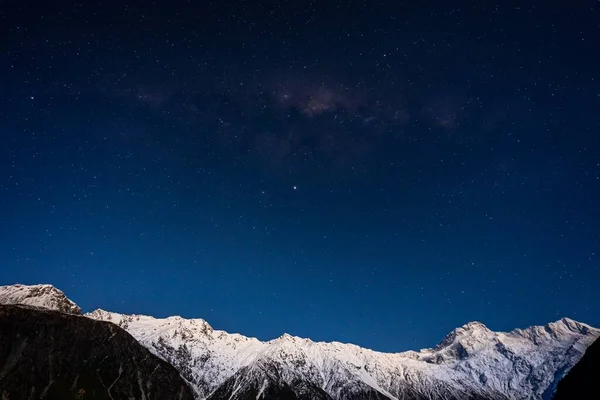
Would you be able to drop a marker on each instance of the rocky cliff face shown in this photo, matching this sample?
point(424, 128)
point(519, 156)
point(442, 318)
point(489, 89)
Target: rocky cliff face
point(53, 355)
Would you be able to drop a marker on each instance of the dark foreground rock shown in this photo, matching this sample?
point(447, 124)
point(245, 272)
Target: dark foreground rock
point(583, 380)
point(51, 355)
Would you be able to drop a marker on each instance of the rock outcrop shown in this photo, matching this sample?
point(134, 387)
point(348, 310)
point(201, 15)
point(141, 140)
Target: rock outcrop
point(48, 354)
point(583, 380)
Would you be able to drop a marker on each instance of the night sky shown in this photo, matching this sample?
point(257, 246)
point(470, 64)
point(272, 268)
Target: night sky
point(368, 172)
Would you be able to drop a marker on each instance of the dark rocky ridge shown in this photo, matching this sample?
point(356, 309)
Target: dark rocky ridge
point(583, 380)
point(52, 355)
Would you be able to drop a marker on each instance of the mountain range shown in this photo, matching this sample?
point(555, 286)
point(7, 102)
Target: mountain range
point(471, 362)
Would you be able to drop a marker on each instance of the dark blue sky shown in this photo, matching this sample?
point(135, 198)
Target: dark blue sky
point(370, 173)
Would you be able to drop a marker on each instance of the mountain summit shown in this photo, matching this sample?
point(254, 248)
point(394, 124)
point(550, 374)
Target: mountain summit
point(43, 296)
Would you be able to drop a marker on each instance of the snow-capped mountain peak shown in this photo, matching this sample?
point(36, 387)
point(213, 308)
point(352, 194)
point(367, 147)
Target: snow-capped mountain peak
point(566, 325)
point(472, 331)
point(287, 338)
point(558, 330)
point(474, 326)
point(44, 296)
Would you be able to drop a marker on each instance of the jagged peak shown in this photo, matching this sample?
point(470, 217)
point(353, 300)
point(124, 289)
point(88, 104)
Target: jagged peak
point(470, 326)
point(99, 312)
point(190, 321)
point(563, 327)
point(569, 324)
point(44, 287)
point(179, 318)
point(40, 295)
point(37, 285)
point(287, 338)
point(170, 322)
point(473, 329)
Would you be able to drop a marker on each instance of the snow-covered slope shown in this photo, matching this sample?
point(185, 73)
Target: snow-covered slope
point(44, 296)
point(470, 363)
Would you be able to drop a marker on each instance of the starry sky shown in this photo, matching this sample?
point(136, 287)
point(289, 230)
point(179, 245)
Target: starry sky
point(370, 172)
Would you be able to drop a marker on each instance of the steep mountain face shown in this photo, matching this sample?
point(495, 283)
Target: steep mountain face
point(264, 381)
point(52, 355)
point(582, 382)
point(472, 362)
point(44, 296)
